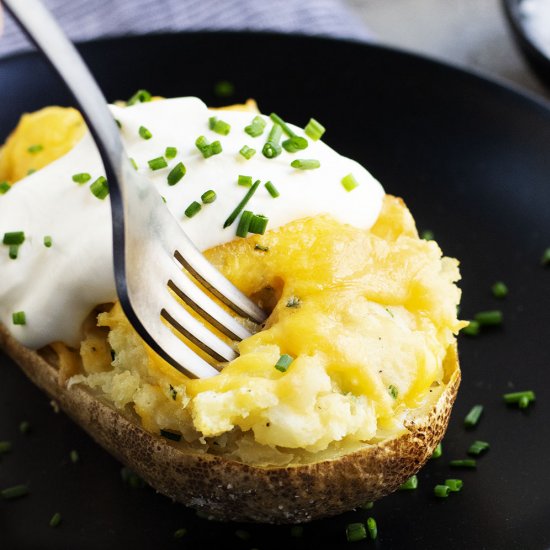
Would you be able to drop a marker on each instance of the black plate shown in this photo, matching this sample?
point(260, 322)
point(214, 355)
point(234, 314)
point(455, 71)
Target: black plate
point(472, 160)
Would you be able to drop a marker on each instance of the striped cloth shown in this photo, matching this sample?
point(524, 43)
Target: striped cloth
point(90, 19)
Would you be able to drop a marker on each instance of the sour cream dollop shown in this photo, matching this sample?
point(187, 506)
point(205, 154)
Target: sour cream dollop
point(58, 286)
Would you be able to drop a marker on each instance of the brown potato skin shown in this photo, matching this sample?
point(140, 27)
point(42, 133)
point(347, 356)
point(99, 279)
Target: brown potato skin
point(229, 490)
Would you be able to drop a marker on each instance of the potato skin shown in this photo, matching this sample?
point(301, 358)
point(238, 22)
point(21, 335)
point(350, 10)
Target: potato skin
point(229, 490)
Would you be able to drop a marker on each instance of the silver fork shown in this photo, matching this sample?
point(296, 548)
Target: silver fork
point(150, 248)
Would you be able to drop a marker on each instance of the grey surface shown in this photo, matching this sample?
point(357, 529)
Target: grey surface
point(469, 33)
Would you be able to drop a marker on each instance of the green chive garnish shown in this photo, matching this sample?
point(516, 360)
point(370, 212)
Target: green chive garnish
point(499, 290)
point(82, 177)
point(19, 318)
point(314, 129)
point(180, 533)
point(208, 196)
point(233, 216)
point(245, 180)
point(305, 164)
point(522, 398)
point(355, 532)
point(284, 362)
point(427, 235)
point(372, 528)
point(244, 223)
point(35, 148)
point(4, 187)
point(442, 491)
point(193, 209)
point(73, 455)
point(141, 96)
point(14, 237)
point(438, 451)
point(5, 447)
point(284, 126)
point(25, 427)
point(463, 463)
point(349, 182)
point(261, 247)
point(14, 492)
point(478, 447)
point(545, 259)
point(258, 224)
point(224, 88)
point(472, 329)
point(118, 123)
point(219, 126)
point(208, 149)
point(489, 318)
point(295, 143)
point(13, 251)
point(145, 133)
point(271, 189)
point(393, 391)
point(410, 484)
point(272, 148)
point(55, 520)
point(367, 506)
point(134, 164)
point(31, 171)
point(472, 418)
point(170, 152)
point(257, 127)
point(173, 436)
point(100, 188)
point(454, 485)
point(176, 173)
point(157, 163)
point(48, 241)
point(247, 152)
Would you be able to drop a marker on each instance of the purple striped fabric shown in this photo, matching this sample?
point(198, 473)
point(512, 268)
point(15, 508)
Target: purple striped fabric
point(90, 19)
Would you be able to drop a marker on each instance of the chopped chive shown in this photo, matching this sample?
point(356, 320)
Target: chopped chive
point(180, 533)
point(244, 223)
point(478, 447)
point(13, 251)
point(14, 237)
point(472, 329)
point(284, 362)
point(31, 171)
point(25, 427)
point(305, 164)
point(145, 133)
point(271, 189)
point(216, 147)
point(100, 188)
point(157, 163)
point(193, 209)
point(219, 126)
point(245, 180)
point(134, 164)
point(367, 506)
point(293, 302)
point(173, 436)
point(349, 183)
point(522, 398)
point(463, 463)
point(170, 152)
point(118, 123)
point(224, 88)
point(314, 129)
point(14, 492)
point(296, 531)
point(48, 241)
point(284, 126)
point(523, 402)
point(372, 528)
point(19, 318)
point(82, 177)
point(5, 447)
point(272, 148)
point(499, 290)
point(294, 144)
point(545, 259)
point(489, 318)
point(4, 187)
point(35, 148)
point(74, 457)
point(208, 149)
point(393, 391)
point(261, 247)
point(472, 418)
point(355, 532)
point(258, 224)
point(233, 216)
point(427, 235)
point(454, 485)
point(176, 173)
point(247, 152)
point(55, 520)
point(208, 196)
point(163, 199)
point(141, 96)
point(442, 491)
point(256, 127)
point(438, 451)
point(410, 484)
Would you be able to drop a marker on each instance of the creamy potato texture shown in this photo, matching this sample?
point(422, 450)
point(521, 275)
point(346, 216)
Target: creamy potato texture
point(367, 315)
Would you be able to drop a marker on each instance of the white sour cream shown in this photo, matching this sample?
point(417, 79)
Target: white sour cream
point(57, 287)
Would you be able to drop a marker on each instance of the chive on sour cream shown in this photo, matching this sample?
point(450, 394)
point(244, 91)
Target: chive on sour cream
point(58, 285)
